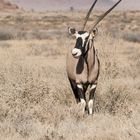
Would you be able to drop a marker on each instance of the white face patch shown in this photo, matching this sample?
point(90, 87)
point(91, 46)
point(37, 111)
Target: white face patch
point(76, 52)
point(83, 36)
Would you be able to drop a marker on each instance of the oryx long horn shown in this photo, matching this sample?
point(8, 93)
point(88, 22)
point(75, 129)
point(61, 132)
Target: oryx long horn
point(106, 13)
point(88, 14)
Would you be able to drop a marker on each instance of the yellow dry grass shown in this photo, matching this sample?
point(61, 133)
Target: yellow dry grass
point(36, 101)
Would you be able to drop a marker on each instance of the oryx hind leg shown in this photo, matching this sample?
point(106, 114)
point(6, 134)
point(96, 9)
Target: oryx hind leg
point(91, 98)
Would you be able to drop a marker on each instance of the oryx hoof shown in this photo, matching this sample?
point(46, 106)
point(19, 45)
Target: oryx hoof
point(82, 106)
point(90, 107)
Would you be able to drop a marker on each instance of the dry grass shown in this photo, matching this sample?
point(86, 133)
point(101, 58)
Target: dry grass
point(36, 102)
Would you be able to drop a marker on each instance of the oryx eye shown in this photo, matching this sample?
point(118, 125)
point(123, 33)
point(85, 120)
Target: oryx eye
point(87, 38)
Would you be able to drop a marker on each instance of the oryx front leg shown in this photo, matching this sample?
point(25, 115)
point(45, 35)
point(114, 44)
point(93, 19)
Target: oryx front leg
point(82, 97)
point(91, 97)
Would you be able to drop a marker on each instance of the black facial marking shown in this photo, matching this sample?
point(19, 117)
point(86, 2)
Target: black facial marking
point(79, 42)
point(81, 32)
point(87, 37)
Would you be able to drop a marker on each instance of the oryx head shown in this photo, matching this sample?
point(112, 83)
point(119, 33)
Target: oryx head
point(83, 37)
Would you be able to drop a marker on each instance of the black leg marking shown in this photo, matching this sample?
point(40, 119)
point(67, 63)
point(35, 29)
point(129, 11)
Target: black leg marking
point(74, 89)
point(85, 88)
point(82, 97)
point(81, 93)
point(92, 93)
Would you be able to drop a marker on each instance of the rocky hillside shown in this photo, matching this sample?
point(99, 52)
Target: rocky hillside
point(6, 5)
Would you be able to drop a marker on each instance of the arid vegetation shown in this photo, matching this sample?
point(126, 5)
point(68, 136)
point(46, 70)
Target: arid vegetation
point(36, 101)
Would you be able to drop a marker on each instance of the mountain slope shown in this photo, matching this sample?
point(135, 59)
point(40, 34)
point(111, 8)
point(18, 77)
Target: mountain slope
point(5, 5)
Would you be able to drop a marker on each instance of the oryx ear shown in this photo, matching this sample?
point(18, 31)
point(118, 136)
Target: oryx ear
point(95, 32)
point(71, 31)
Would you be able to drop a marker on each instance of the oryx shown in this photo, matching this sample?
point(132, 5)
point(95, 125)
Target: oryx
point(82, 63)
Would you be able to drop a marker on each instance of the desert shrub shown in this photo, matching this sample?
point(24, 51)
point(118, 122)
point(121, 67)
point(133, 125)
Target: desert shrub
point(36, 101)
point(132, 37)
point(114, 99)
point(19, 19)
point(5, 34)
point(58, 18)
point(44, 50)
point(4, 45)
point(37, 35)
point(12, 33)
point(9, 33)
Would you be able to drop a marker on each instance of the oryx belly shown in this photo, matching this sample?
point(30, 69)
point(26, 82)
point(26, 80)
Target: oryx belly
point(94, 71)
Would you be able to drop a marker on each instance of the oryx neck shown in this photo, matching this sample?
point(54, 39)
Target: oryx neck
point(88, 45)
